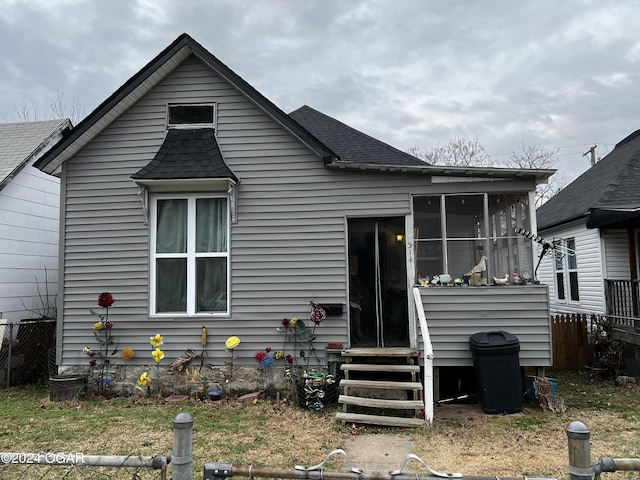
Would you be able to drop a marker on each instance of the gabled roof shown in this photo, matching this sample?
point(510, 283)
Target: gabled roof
point(187, 154)
point(148, 77)
point(21, 142)
point(606, 193)
point(350, 144)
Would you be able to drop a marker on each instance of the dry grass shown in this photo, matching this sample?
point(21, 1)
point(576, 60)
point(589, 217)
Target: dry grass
point(532, 443)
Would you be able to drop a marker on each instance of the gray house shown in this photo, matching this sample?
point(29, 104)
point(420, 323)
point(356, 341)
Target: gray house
point(598, 217)
point(196, 201)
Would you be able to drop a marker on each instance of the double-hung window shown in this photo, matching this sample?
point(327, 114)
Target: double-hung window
point(566, 269)
point(190, 255)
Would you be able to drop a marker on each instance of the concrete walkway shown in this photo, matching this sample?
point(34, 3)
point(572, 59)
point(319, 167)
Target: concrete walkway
point(383, 453)
point(378, 453)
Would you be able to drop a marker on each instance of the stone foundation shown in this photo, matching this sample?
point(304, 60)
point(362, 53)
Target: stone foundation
point(194, 381)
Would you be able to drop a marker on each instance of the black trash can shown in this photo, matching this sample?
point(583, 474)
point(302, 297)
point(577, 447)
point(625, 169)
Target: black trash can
point(497, 369)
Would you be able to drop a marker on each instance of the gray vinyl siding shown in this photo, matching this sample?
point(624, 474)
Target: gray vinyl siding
point(590, 270)
point(287, 247)
point(616, 254)
point(455, 313)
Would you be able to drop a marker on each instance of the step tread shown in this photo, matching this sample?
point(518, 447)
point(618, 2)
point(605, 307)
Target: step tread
point(380, 402)
point(372, 367)
point(382, 384)
point(380, 420)
point(380, 352)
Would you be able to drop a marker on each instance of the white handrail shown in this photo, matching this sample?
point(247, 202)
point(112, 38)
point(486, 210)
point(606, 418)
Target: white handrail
point(428, 357)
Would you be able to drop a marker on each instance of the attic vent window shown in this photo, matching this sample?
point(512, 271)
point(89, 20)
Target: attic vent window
point(189, 116)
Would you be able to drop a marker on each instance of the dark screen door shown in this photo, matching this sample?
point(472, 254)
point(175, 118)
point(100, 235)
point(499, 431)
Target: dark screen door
point(378, 282)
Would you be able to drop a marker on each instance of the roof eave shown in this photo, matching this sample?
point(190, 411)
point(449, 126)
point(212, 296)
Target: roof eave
point(123, 98)
point(184, 182)
point(539, 175)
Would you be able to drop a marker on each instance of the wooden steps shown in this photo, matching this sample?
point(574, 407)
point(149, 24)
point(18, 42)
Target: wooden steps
point(381, 387)
point(380, 420)
point(380, 402)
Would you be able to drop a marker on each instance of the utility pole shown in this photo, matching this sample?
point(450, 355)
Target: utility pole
point(591, 151)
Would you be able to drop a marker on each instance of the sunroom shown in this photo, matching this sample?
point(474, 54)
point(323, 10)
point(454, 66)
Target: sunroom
point(452, 234)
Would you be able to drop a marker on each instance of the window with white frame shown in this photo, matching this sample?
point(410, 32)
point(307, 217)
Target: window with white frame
point(566, 270)
point(190, 255)
point(453, 232)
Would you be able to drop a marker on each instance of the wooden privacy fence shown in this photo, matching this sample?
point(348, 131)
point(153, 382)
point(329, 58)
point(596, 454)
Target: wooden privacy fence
point(570, 341)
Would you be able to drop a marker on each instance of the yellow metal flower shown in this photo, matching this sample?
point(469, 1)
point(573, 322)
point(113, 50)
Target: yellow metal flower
point(293, 322)
point(127, 353)
point(232, 342)
point(98, 326)
point(156, 340)
point(157, 355)
point(278, 355)
point(144, 379)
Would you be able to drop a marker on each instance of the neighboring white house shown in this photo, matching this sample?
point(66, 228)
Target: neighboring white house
point(598, 217)
point(29, 217)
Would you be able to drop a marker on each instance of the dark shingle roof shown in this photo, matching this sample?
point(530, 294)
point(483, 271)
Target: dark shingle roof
point(349, 144)
point(611, 184)
point(186, 154)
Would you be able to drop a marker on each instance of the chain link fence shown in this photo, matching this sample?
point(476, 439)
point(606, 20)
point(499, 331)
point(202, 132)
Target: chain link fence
point(76, 466)
point(27, 351)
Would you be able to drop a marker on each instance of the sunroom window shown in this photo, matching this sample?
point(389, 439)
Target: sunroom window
point(453, 232)
point(190, 255)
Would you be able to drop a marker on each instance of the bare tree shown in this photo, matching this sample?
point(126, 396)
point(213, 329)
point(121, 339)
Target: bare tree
point(458, 152)
point(465, 152)
point(73, 111)
point(538, 157)
point(28, 111)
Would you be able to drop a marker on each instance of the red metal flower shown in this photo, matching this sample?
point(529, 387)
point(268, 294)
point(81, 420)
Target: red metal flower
point(105, 299)
point(259, 356)
point(318, 314)
point(285, 322)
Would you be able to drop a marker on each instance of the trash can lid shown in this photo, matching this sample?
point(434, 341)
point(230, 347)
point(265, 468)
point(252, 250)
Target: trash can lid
point(491, 340)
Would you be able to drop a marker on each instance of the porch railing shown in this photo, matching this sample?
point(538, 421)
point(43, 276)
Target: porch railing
point(427, 386)
point(623, 300)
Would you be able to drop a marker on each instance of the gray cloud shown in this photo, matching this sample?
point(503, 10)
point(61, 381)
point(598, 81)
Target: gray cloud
point(409, 72)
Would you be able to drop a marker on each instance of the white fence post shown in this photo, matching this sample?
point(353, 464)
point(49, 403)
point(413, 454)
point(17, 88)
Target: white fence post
point(182, 443)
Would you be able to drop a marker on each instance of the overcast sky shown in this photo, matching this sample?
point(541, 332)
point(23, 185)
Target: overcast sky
point(413, 73)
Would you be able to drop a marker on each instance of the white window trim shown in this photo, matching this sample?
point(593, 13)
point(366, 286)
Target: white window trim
point(193, 125)
point(191, 255)
point(566, 271)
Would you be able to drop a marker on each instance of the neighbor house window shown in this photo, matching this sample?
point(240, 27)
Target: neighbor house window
point(566, 268)
point(453, 232)
point(190, 255)
point(191, 116)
